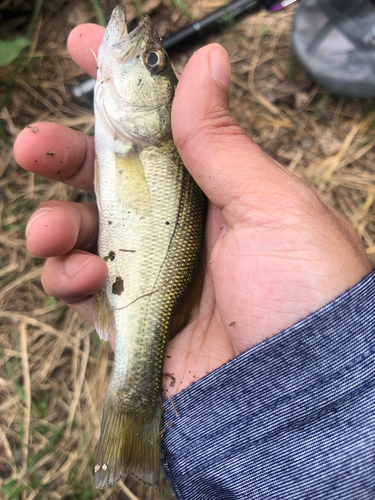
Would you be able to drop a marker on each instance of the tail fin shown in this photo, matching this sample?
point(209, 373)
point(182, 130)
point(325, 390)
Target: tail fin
point(129, 443)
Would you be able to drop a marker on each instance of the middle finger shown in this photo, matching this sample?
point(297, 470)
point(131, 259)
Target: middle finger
point(58, 227)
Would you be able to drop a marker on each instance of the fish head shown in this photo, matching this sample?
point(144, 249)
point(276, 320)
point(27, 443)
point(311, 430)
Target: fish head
point(136, 83)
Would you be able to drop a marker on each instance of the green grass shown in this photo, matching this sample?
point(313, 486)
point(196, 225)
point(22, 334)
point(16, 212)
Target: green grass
point(99, 12)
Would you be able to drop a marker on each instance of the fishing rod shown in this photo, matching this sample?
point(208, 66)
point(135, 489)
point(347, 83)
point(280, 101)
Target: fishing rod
point(221, 16)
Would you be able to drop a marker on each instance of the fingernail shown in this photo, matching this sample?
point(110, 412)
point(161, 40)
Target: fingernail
point(37, 215)
point(75, 263)
point(219, 67)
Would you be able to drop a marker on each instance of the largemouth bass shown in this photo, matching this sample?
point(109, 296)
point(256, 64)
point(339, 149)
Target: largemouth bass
point(151, 218)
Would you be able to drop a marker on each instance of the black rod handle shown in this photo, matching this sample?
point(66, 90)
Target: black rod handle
point(233, 9)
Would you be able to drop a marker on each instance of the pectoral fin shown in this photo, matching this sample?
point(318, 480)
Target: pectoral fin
point(131, 185)
point(97, 185)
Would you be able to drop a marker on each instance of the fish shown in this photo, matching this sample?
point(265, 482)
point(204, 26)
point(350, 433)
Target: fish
point(151, 223)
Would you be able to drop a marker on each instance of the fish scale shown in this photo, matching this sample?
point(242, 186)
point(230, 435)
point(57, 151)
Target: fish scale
point(151, 221)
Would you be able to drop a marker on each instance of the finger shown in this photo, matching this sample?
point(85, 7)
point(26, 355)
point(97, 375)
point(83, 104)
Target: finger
point(224, 161)
point(74, 276)
point(82, 42)
point(57, 227)
point(58, 153)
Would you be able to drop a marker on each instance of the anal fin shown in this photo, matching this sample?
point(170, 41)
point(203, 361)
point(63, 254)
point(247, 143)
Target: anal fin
point(103, 322)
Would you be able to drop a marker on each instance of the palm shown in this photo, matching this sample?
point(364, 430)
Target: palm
point(266, 269)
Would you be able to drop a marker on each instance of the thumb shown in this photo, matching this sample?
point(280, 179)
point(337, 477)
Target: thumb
point(221, 157)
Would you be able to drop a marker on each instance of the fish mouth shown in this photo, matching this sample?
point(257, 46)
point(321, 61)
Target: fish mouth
point(117, 27)
point(118, 40)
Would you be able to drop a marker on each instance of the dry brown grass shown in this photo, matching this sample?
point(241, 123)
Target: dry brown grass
point(54, 371)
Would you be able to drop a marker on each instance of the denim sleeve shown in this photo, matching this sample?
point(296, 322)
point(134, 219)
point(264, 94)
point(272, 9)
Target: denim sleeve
point(291, 419)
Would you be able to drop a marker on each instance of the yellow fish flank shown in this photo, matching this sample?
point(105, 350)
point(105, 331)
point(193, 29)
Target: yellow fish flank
point(151, 219)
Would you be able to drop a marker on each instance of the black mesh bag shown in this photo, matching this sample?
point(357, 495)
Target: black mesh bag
point(335, 42)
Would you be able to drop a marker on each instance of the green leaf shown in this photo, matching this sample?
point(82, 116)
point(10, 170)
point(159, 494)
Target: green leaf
point(10, 50)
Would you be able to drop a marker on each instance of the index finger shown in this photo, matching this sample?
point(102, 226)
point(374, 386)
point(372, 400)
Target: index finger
point(83, 41)
point(55, 151)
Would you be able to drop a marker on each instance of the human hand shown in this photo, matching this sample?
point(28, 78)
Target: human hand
point(274, 252)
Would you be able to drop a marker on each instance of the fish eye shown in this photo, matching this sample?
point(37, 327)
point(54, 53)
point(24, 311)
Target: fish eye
point(156, 60)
